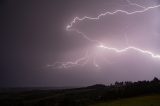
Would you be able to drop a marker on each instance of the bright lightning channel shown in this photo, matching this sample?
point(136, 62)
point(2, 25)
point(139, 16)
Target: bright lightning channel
point(65, 65)
point(76, 19)
point(130, 48)
point(83, 60)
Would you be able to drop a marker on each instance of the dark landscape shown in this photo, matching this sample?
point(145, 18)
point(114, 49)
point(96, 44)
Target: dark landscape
point(85, 96)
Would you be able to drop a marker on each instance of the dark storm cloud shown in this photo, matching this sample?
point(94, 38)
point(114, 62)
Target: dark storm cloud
point(33, 32)
point(33, 35)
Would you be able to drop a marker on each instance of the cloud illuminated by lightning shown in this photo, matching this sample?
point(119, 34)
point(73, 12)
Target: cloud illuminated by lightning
point(83, 60)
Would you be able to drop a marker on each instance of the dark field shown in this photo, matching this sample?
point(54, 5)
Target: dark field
point(149, 100)
point(141, 93)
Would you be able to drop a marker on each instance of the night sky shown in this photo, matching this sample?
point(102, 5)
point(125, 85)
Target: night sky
point(33, 36)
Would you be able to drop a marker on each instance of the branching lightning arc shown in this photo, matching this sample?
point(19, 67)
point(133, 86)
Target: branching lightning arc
point(83, 60)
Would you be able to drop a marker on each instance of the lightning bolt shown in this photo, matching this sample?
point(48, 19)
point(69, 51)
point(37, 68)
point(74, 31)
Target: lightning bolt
point(76, 19)
point(83, 60)
point(65, 65)
point(134, 4)
point(130, 48)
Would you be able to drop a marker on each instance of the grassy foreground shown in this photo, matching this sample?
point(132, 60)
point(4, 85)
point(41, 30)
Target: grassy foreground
point(152, 100)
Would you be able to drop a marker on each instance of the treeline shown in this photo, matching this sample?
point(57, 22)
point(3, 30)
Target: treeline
point(81, 96)
point(130, 89)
